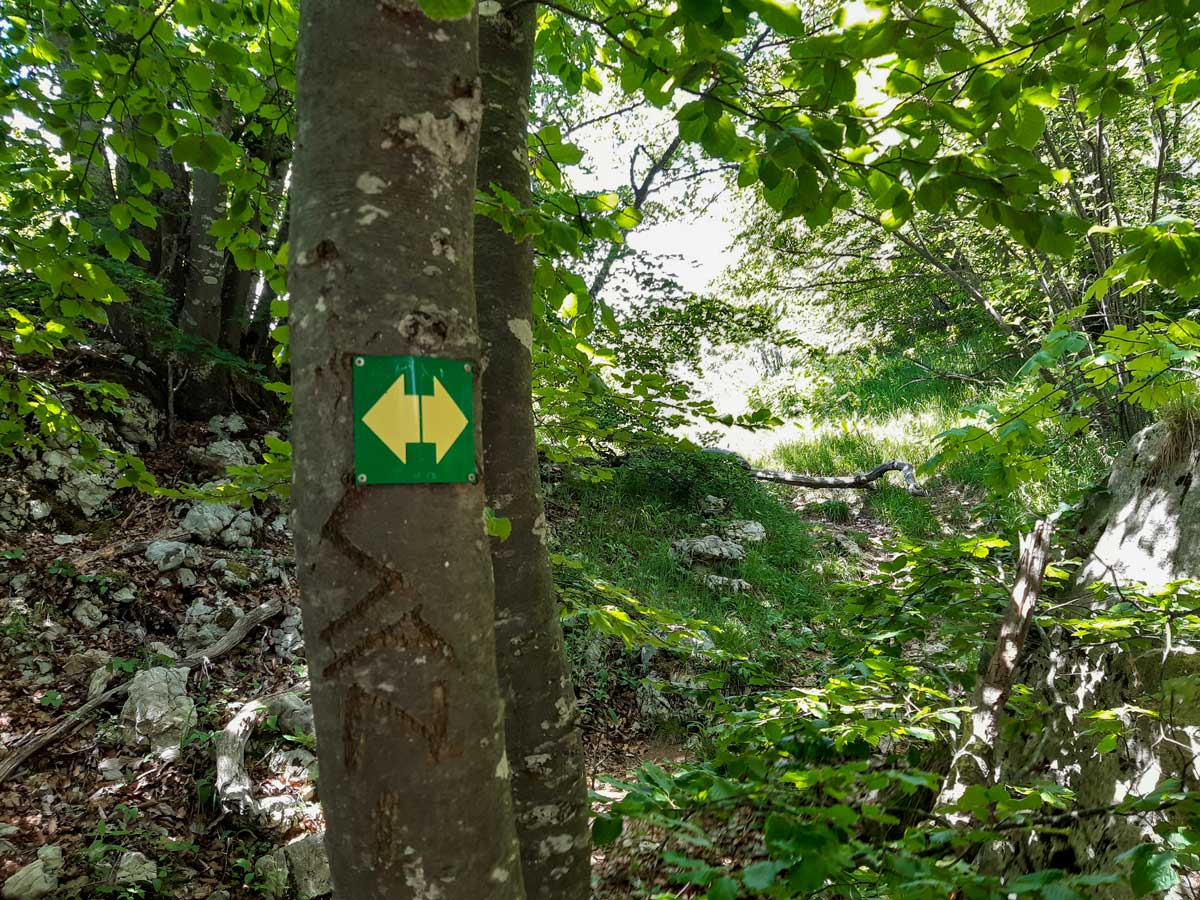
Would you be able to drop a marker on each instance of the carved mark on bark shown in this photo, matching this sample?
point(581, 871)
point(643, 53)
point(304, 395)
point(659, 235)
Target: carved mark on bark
point(412, 631)
point(361, 705)
point(389, 830)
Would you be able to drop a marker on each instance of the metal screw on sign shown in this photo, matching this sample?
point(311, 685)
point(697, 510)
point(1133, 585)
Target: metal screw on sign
point(362, 479)
point(467, 367)
point(472, 478)
point(359, 361)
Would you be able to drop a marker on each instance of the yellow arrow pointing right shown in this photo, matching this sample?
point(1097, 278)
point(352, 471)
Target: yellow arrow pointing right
point(441, 420)
point(396, 419)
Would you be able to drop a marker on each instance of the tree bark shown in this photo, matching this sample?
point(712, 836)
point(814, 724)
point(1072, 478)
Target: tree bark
point(549, 793)
point(200, 316)
point(395, 580)
point(974, 762)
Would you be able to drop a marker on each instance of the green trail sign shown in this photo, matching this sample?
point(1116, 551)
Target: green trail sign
point(413, 420)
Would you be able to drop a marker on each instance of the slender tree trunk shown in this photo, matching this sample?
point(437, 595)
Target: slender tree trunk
point(396, 579)
point(974, 762)
point(200, 317)
point(549, 793)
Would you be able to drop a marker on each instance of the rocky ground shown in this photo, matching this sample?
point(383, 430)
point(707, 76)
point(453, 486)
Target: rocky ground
point(154, 734)
point(105, 593)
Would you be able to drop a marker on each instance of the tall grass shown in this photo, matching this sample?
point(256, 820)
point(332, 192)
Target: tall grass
point(891, 408)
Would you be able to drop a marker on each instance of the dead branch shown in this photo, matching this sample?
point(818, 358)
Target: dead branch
point(861, 480)
point(73, 721)
point(973, 762)
point(234, 785)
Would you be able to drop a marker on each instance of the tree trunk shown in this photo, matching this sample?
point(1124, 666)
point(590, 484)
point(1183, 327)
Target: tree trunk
point(549, 793)
point(973, 763)
point(203, 393)
point(396, 579)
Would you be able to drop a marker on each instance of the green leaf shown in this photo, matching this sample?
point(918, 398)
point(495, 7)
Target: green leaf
point(606, 829)
point(1152, 871)
point(761, 875)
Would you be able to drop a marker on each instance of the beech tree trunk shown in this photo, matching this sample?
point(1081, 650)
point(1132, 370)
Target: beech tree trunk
point(202, 394)
point(544, 747)
point(396, 579)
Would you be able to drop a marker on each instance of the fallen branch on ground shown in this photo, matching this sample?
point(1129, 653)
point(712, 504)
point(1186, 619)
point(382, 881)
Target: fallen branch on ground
point(75, 720)
point(861, 480)
point(234, 785)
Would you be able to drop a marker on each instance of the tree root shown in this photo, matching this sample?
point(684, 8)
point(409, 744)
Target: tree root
point(35, 743)
point(233, 784)
point(861, 480)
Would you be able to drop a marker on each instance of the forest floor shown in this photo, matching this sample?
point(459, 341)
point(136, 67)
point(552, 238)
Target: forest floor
point(90, 607)
point(659, 644)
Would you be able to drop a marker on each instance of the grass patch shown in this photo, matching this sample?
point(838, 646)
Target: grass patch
point(622, 530)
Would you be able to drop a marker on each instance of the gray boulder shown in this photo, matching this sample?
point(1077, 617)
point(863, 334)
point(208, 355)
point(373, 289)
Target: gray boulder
point(710, 548)
point(220, 454)
point(302, 864)
point(168, 555)
point(221, 523)
point(745, 531)
point(37, 879)
point(225, 426)
point(139, 422)
point(158, 712)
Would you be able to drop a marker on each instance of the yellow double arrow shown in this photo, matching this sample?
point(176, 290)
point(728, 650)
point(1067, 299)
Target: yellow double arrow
point(399, 419)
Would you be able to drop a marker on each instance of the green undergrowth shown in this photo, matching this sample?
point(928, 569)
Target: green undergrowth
point(890, 408)
point(619, 533)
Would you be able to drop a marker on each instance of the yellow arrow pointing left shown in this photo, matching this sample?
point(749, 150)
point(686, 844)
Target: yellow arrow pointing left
point(396, 419)
point(441, 419)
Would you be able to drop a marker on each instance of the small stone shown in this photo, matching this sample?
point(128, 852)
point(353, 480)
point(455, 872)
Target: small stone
point(77, 665)
point(168, 555)
point(63, 539)
point(223, 426)
point(125, 595)
point(309, 866)
point(158, 648)
point(723, 585)
point(19, 582)
point(220, 454)
point(7, 830)
point(38, 510)
point(98, 683)
point(135, 868)
point(712, 506)
point(745, 531)
point(112, 769)
point(272, 872)
point(88, 614)
point(186, 578)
